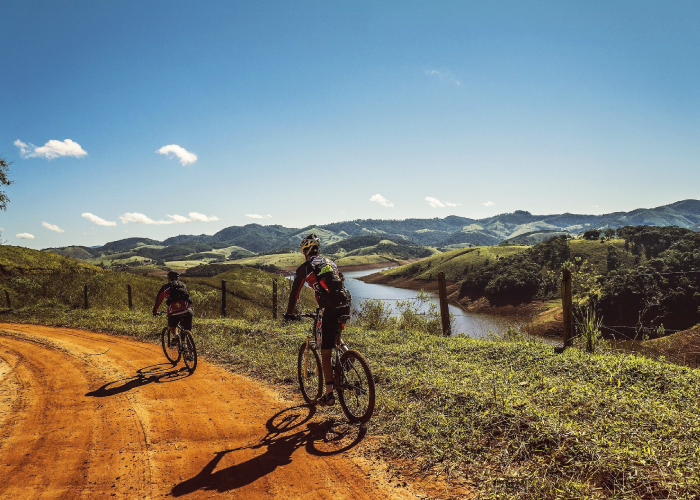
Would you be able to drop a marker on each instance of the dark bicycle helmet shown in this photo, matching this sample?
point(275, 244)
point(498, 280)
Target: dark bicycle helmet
point(173, 275)
point(309, 242)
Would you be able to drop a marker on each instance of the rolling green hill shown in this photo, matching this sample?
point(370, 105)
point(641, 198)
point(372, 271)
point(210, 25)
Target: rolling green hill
point(33, 277)
point(16, 261)
point(456, 264)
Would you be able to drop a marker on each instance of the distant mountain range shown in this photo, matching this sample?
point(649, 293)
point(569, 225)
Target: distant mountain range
point(449, 232)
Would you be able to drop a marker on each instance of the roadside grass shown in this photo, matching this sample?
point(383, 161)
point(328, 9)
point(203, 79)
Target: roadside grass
point(510, 417)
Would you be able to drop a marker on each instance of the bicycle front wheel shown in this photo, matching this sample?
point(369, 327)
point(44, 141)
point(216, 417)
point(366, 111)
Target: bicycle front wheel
point(189, 351)
point(172, 352)
point(355, 387)
point(309, 373)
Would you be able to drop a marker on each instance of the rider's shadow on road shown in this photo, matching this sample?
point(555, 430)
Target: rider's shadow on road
point(319, 438)
point(160, 373)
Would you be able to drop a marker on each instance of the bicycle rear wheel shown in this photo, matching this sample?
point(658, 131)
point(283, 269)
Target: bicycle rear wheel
point(171, 352)
point(355, 387)
point(309, 373)
point(189, 351)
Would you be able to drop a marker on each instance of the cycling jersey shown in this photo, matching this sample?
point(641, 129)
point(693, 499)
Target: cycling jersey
point(174, 307)
point(305, 274)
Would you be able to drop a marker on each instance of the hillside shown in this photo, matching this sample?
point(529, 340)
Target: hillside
point(19, 261)
point(456, 264)
point(642, 280)
point(33, 277)
point(519, 227)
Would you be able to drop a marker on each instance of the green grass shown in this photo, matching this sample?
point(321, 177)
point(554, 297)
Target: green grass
point(32, 277)
point(20, 260)
point(455, 263)
point(279, 260)
point(596, 253)
point(512, 418)
point(362, 260)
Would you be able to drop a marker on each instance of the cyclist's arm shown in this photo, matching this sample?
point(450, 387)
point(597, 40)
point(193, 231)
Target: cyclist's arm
point(299, 280)
point(162, 293)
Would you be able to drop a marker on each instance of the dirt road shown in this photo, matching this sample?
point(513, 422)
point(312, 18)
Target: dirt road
point(85, 415)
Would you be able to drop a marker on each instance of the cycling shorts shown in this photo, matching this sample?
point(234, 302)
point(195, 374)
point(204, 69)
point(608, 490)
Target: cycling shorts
point(184, 319)
point(330, 327)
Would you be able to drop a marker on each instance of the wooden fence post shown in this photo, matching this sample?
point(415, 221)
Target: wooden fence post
point(7, 297)
point(274, 298)
point(223, 298)
point(128, 292)
point(444, 308)
point(567, 305)
point(85, 293)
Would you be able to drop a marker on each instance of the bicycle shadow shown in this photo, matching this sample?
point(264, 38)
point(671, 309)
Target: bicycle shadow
point(318, 438)
point(159, 373)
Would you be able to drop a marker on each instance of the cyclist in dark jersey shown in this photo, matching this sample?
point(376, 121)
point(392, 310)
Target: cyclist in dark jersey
point(321, 274)
point(179, 305)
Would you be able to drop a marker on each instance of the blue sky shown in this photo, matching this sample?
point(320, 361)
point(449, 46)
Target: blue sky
point(299, 113)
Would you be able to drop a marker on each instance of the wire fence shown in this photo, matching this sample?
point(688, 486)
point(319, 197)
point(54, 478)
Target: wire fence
point(624, 337)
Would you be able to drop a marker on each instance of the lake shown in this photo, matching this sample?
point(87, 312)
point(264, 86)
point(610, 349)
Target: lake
point(471, 324)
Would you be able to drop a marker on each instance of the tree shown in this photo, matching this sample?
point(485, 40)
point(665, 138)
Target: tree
point(609, 234)
point(591, 234)
point(4, 181)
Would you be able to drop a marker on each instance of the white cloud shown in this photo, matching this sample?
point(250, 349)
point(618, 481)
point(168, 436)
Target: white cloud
point(378, 198)
point(52, 227)
point(489, 204)
point(97, 220)
point(25, 236)
point(197, 217)
point(442, 74)
point(435, 203)
point(138, 218)
point(258, 216)
point(185, 156)
point(50, 150)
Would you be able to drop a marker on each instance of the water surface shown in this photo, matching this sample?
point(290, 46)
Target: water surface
point(471, 324)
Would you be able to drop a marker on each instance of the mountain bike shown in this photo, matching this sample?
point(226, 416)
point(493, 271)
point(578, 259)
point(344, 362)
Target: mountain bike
point(179, 346)
point(352, 376)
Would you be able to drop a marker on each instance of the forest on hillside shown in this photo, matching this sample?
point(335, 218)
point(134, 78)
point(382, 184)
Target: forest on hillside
point(649, 276)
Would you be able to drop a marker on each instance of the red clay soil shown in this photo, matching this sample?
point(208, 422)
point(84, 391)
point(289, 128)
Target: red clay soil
point(84, 415)
point(683, 345)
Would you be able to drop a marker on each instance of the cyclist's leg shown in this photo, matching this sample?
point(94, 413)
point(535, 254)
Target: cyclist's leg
point(172, 326)
point(329, 330)
point(186, 321)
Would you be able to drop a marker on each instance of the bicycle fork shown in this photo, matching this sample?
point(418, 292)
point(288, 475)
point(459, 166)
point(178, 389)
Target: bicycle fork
point(306, 361)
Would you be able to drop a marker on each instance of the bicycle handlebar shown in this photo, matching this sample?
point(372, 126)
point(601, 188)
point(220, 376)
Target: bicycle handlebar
point(298, 317)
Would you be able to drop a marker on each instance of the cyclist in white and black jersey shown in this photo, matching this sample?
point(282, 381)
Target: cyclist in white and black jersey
point(321, 274)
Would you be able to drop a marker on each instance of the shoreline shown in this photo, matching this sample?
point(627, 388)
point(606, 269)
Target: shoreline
point(542, 318)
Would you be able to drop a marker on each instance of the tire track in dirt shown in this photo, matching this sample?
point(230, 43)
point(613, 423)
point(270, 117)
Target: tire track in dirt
point(91, 415)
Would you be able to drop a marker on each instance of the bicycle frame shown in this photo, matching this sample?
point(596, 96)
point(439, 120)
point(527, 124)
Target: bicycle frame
point(313, 339)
